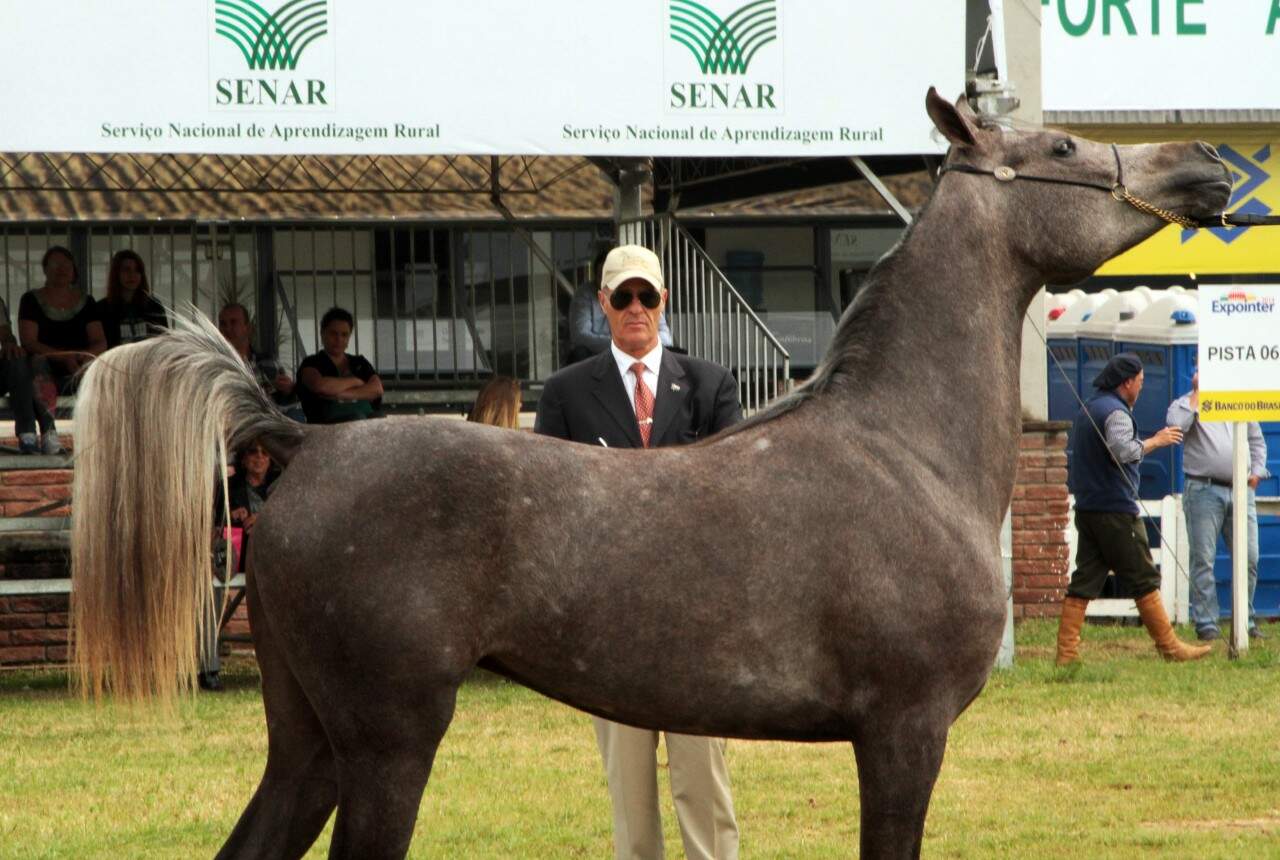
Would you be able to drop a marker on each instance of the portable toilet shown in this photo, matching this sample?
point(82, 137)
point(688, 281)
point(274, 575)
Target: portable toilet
point(1164, 336)
point(1056, 303)
point(1095, 336)
point(1063, 358)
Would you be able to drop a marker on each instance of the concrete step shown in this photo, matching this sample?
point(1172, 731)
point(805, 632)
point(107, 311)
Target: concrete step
point(28, 462)
point(34, 524)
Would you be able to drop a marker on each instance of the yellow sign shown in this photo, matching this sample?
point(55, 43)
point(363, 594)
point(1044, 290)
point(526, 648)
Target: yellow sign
point(1255, 173)
point(1240, 405)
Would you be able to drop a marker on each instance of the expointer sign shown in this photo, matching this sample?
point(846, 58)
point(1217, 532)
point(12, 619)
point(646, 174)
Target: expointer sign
point(1239, 353)
point(559, 77)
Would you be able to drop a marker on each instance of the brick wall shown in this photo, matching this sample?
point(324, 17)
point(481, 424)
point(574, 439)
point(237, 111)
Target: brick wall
point(1041, 566)
point(28, 490)
point(34, 629)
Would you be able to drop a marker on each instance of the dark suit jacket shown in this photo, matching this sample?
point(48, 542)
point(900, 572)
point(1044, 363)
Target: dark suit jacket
point(587, 402)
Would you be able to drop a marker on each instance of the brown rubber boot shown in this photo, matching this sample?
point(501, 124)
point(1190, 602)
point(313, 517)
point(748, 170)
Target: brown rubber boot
point(1151, 609)
point(1069, 629)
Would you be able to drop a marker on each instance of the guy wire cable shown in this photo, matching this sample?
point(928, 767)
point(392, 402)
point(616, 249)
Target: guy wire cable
point(1164, 547)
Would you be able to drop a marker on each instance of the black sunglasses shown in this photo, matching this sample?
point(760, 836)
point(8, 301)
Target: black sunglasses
point(621, 299)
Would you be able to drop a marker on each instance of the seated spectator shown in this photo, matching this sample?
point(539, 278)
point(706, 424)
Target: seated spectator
point(338, 387)
point(15, 376)
point(247, 488)
point(498, 404)
point(233, 322)
point(129, 313)
point(59, 328)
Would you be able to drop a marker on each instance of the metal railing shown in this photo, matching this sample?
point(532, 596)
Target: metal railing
point(708, 316)
point(435, 305)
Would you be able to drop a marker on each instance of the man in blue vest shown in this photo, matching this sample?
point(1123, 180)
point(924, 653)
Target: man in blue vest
point(1105, 453)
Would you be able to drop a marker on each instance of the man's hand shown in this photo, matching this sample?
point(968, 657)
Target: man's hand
point(248, 523)
point(1165, 437)
point(284, 383)
point(239, 515)
point(1254, 480)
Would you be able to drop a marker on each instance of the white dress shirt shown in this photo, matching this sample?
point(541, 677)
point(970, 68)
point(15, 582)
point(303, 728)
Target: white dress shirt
point(652, 361)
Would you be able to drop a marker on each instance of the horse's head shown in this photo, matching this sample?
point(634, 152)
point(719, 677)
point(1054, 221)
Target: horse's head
point(1057, 198)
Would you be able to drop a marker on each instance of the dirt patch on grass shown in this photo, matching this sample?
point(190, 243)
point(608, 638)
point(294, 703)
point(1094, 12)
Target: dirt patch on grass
point(1266, 824)
point(1096, 650)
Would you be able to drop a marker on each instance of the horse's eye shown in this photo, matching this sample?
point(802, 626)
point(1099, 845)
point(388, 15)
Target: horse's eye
point(1063, 148)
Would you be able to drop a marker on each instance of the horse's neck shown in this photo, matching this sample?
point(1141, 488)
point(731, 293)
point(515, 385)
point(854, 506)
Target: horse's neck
point(933, 345)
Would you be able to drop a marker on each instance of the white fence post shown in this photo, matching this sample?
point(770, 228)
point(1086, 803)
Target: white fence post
point(1004, 658)
point(1170, 557)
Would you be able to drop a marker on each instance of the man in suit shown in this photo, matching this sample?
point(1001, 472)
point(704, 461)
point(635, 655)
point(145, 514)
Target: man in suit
point(636, 394)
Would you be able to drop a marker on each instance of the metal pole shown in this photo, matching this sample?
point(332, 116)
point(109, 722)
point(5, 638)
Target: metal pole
point(883, 190)
point(1240, 543)
point(264, 267)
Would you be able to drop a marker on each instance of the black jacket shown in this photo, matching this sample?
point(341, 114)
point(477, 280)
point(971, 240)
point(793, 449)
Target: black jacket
point(587, 402)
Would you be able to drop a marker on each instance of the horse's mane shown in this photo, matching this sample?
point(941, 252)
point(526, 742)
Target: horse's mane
point(849, 345)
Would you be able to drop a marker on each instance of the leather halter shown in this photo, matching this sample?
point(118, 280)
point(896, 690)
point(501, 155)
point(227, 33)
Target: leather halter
point(1119, 192)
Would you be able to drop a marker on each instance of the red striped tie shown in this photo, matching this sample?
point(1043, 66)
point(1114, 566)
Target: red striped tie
point(644, 403)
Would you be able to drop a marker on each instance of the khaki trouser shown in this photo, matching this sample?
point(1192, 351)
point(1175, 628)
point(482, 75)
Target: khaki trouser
point(699, 787)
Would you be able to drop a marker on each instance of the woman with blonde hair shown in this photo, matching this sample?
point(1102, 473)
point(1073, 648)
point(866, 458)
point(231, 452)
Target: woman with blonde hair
point(498, 404)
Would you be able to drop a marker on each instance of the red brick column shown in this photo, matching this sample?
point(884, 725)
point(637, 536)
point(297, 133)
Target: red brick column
point(1040, 564)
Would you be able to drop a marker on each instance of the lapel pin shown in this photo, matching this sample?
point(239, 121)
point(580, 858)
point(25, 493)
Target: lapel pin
point(675, 387)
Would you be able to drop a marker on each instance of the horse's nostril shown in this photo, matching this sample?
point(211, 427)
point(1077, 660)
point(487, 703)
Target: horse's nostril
point(1208, 150)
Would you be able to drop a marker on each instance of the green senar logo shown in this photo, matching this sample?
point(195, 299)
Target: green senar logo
point(271, 40)
point(724, 47)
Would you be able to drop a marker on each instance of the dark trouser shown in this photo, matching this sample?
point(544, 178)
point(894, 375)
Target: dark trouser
point(47, 380)
point(16, 376)
point(1112, 542)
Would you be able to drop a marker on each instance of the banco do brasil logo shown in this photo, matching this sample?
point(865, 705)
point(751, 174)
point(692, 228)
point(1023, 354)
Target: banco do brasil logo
point(725, 59)
point(271, 47)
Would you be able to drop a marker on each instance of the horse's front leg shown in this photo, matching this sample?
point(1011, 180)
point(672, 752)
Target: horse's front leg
point(898, 763)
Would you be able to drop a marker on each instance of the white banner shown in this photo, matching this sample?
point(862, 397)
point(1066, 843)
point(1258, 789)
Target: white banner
point(1160, 54)
point(580, 77)
point(1239, 353)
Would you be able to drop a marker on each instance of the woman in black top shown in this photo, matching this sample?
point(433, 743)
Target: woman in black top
point(335, 386)
point(59, 328)
point(129, 313)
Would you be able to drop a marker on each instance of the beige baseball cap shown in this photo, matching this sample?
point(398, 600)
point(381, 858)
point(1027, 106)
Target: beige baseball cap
point(631, 261)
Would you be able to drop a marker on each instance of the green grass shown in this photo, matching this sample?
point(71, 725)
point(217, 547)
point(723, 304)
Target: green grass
point(1124, 756)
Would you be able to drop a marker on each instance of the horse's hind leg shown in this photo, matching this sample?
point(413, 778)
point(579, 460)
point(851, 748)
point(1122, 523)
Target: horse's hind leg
point(299, 788)
point(383, 766)
point(898, 763)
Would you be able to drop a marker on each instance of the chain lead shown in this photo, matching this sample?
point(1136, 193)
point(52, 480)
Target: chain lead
point(1119, 192)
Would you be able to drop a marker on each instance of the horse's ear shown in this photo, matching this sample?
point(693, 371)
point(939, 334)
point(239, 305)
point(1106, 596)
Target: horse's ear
point(954, 121)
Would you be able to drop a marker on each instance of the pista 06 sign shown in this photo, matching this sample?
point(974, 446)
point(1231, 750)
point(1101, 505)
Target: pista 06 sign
point(1239, 357)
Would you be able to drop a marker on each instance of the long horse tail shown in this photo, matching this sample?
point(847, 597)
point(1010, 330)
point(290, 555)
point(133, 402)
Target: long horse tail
point(153, 423)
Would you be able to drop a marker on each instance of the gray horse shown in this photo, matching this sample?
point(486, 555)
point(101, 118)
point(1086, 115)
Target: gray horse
point(826, 571)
